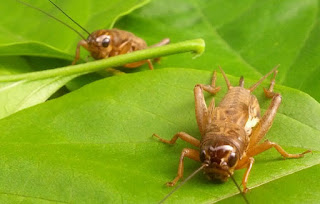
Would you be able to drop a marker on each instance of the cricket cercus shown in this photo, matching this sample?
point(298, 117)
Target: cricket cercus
point(231, 132)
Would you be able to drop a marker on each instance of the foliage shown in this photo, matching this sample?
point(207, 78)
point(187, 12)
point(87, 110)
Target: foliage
point(94, 144)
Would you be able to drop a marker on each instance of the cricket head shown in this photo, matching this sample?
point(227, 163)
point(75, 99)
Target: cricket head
point(221, 159)
point(100, 43)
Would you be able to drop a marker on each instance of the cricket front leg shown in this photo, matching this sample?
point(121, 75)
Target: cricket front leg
point(182, 135)
point(246, 162)
point(186, 152)
point(82, 43)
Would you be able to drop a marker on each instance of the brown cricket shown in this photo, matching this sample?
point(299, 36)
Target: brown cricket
point(107, 43)
point(231, 132)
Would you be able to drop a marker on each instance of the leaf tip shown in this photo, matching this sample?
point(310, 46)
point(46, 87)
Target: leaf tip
point(200, 47)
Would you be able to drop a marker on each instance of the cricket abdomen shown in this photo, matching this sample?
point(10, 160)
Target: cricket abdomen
point(234, 118)
point(236, 98)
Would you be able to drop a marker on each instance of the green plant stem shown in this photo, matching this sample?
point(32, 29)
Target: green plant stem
point(196, 46)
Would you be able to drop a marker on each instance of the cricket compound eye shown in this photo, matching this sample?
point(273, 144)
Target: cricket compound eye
point(106, 41)
point(232, 160)
point(203, 155)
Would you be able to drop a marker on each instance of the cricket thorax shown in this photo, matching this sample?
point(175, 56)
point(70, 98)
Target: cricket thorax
point(229, 133)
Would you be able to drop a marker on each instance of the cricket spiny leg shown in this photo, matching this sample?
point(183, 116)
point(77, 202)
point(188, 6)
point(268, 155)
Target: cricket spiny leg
point(261, 129)
point(241, 82)
point(246, 174)
point(150, 64)
point(182, 135)
point(186, 152)
point(269, 92)
point(138, 64)
point(125, 48)
point(161, 43)
point(211, 88)
point(267, 145)
point(200, 104)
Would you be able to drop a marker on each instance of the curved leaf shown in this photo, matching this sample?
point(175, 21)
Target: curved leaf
point(95, 144)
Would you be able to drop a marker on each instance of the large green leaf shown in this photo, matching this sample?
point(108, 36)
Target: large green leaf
point(95, 145)
point(245, 37)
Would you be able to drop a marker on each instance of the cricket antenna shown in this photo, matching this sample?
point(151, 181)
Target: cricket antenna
point(51, 16)
point(69, 17)
point(234, 181)
point(183, 182)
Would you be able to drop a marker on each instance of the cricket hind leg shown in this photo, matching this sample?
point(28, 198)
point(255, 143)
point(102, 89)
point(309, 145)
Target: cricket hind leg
point(260, 130)
point(200, 104)
point(125, 48)
point(161, 43)
point(241, 82)
point(138, 64)
point(212, 87)
point(268, 144)
point(269, 92)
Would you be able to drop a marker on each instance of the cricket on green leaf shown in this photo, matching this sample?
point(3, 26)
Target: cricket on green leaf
point(106, 43)
point(230, 132)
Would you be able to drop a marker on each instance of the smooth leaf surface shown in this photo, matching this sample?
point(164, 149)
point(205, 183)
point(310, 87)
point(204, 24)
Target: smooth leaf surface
point(246, 37)
point(29, 32)
point(95, 144)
